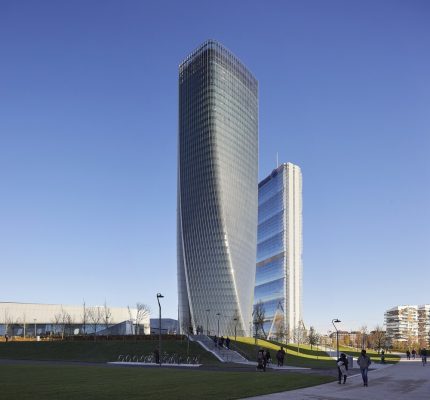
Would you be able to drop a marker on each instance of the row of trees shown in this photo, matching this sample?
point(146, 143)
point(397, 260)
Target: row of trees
point(280, 332)
point(91, 320)
point(376, 338)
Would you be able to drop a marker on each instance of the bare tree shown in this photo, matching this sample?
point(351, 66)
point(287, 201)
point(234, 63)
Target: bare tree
point(107, 314)
point(68, 324)
point(56, 322)
point(259, 318)
point(60, 320)
point(142, 311)
point(84, 317)
point(379, 338)
point(279, 327)
point(299, 335)
point(95, 316)
point(287, 334)
point(363, 331)
point(8, 321)
point(313, 337)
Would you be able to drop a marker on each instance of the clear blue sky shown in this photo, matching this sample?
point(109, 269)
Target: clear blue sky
point(88, 145)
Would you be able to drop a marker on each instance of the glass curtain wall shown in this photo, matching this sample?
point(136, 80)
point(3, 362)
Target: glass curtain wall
point(217, 191)
point(278, 284)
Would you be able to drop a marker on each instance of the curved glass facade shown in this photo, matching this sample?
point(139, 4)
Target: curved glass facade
point(217, 191)
point(278, 282)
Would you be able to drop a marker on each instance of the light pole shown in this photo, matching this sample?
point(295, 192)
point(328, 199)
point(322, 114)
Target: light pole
point(159, 296)
point(207, 321)
point(335, 321)
point(218, 315)
point(235, 326)
point(35, 332)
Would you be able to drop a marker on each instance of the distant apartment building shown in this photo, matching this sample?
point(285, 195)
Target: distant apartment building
point(278, 279)
point(409, 323)
point(424, 322)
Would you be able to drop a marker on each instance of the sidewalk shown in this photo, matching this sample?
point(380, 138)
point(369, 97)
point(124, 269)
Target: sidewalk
point(405, 380)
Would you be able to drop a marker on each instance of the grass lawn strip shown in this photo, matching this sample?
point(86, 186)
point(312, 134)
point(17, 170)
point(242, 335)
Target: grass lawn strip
point(374, 356)
point(102, 351)
point(92, 382)
point(247, 347)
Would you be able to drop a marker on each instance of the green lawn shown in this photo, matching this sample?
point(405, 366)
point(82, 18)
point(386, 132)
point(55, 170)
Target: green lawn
point(374, 356)
point(101, 351)
point(308, 359)
point(62, 382)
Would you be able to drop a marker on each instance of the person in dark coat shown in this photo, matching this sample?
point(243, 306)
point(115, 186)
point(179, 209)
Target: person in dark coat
point(342, 368)
point(423, 354)
point(280, 355)
point(227, 343)
point(268, 357)
point(261, 360)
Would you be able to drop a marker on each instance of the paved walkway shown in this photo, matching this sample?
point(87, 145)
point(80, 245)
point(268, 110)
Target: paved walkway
point(405, 380)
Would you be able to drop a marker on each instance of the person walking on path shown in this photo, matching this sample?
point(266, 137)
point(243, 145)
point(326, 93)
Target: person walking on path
point(342, 367)
point(364, 362)
point(227, 343)
point(280, 355)
point(424, 356)
point(408, 354)
point(260, 360)
point(414, 353)
point(382, 357)
point(268, 357)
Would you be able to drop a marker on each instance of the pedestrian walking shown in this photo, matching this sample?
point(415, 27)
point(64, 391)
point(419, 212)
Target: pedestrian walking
point(268, 357)
point(264, 360)
point(424, 356)
point(414, 353)
point(342, 368)
point(364, 362)
point(260, 361)
point(216, 341)
point(280, 355)
point(227, 343)
point(408, 354)
point(382, 357)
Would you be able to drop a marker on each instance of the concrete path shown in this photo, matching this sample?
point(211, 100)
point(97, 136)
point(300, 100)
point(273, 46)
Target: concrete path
point(405, 380)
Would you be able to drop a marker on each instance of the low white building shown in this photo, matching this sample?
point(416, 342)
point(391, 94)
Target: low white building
point(31, 319)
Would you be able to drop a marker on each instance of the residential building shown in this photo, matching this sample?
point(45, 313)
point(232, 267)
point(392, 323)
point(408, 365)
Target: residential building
point(424, 324)
point(217, 191)
point(279, 269)
point(409, 323)
point(402, 323)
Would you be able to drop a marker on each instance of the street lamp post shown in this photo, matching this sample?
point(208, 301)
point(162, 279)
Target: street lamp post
point(207, 321)
point(335, 321)
point(218, 315)
point(159, 296)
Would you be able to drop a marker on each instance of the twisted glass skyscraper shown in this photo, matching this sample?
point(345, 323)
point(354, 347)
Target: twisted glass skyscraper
point(278, 281)
point(217, 191)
